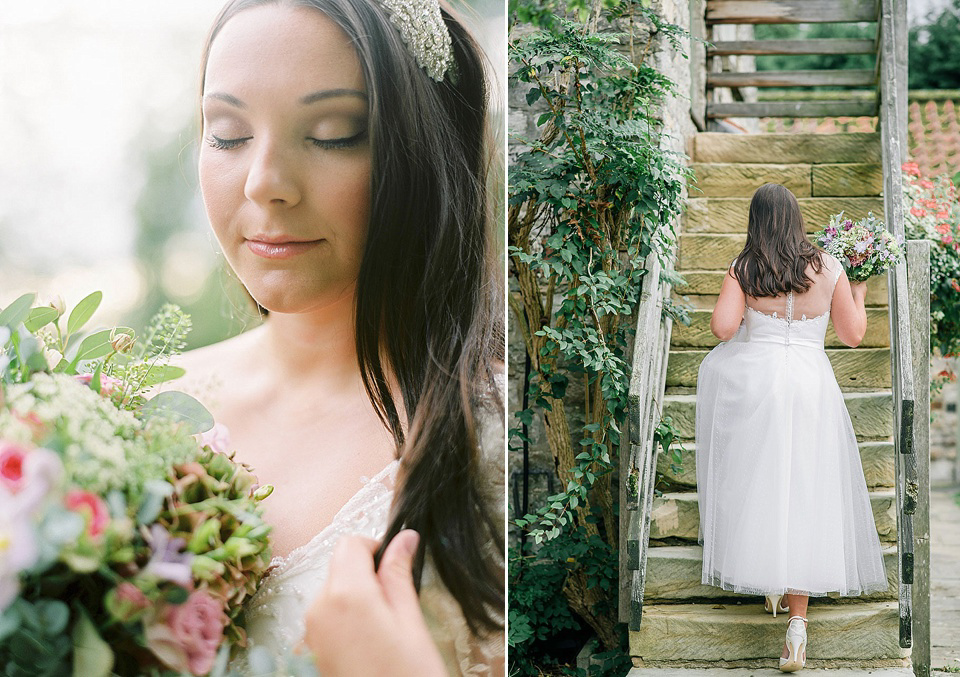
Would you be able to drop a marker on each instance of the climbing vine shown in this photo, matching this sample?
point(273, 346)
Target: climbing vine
point(590, 198)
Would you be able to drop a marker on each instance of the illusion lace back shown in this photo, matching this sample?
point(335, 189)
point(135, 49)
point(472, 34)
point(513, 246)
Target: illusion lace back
point(275, 614)
point(783, 501)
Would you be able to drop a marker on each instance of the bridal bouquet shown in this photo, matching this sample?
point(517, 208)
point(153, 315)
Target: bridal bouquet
point(128, 539)
point(865, 247)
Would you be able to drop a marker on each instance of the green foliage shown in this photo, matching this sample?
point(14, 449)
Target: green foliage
point(934, 51)
point(538, 609)
point(591, 197)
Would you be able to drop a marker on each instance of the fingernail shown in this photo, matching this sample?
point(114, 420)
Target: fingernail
point(411, 539)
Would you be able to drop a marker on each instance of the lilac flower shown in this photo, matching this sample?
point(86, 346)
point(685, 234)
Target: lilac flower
point(167, 560)
point(848, 224)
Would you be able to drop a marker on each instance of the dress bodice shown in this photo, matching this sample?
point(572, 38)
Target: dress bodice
point(802, 331)
point(792, 319)
point(275, 614)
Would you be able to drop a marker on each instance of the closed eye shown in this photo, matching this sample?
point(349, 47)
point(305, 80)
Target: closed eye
point(226, 144)
point(341, 142)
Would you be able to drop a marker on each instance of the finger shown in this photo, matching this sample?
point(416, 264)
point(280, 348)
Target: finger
point(351, 565)
point(396, 573)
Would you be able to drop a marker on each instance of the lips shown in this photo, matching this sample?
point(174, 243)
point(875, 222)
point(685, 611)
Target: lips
point(279, 246)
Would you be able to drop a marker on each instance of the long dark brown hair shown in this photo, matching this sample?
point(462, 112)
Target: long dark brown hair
point(774, 260)
point(429, 310)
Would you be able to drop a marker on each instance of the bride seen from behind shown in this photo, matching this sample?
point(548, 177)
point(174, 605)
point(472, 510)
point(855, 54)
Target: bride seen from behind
point(344, 174)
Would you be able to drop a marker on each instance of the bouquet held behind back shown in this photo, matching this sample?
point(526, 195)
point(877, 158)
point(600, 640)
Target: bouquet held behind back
point(128, 540)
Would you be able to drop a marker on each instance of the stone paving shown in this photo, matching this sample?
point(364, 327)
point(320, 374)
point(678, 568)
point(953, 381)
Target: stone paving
point(945, 568)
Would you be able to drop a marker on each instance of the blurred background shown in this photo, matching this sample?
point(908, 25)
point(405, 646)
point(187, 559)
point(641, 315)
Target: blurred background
point(98, 140)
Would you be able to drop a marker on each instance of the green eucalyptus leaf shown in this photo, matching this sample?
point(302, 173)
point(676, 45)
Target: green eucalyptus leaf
point(83, 311)
point(160, 374)
point(93, 346)
point(40, 317)
point(17, 311)
point(179, 407)
point(92, 657)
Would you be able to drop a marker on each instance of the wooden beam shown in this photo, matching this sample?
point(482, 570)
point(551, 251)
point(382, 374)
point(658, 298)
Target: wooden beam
point(792, 109)
point(824, 78)
point(790, 11)
point(812, 46)
point(918, 283)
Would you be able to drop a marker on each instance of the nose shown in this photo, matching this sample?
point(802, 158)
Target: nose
point(272, 177)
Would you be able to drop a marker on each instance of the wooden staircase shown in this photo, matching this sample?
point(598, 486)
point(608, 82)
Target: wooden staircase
point(687, 623)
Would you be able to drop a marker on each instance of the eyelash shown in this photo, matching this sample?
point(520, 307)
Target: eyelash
point(327, 144)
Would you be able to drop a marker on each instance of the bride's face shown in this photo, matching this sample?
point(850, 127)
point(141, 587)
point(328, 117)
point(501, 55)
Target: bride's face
point(285, 158)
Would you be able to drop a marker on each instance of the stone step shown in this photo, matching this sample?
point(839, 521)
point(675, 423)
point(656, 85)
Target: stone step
point(674, 573)
point(677, 515)
point(864, 367)
point(709, 301)
point(736, 179)
point(752, 672)
point(698, 333)
point(876, 457)
point(787, 148)
point(737, 632)
point(706, 285)
point(730, 214)
point(871, 413)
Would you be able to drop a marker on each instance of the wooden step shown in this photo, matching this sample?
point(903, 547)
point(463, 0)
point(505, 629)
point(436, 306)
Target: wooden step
point(876, 458)
point(870, 412)
point(787, 148)
point(730, 215)
point(698, 334)
point(862, 367)
point(676, 515)
point(789, 11)
point(736, 632)
point(792, 109)
point(733, 179)
point(811, 46)
point(702, 286)
point(674, 573)
point(813, 78)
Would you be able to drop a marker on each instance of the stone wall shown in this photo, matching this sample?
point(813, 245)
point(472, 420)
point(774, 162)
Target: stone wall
point(944, 425)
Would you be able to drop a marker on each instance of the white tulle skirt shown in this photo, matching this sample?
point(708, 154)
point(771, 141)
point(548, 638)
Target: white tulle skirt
point(783, 500)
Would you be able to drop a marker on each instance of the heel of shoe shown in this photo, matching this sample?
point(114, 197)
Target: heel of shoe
point(773, 602)
point(796, 642)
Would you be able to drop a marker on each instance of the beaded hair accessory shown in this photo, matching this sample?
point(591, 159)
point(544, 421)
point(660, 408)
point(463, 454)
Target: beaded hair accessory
point(423, 31)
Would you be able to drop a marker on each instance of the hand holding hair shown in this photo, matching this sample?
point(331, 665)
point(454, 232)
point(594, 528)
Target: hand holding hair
point(367, 622)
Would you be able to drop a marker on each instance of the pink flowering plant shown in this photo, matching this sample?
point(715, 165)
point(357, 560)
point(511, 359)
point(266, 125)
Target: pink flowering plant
point(864, 247)
point(932, 212)
point(129, 539)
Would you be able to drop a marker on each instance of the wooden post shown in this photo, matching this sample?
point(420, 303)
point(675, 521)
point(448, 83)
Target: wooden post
point(918, 285)
point(698, 65)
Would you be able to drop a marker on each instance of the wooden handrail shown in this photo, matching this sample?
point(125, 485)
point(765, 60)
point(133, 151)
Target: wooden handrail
point(639, 467)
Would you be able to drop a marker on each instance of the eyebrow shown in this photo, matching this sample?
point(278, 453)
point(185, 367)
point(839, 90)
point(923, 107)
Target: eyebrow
point(305, 100)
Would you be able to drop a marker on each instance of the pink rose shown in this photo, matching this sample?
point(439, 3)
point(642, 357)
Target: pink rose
point(90, 506)
point(11, 466)
point(126, 601)
point(186, 636)
point(108, 384)
point(217, 438)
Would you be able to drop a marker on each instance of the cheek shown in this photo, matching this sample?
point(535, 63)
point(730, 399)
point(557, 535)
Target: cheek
point(347, 195)
point(219, 185)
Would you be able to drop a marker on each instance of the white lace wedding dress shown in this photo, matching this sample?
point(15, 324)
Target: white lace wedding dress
point(783, 500)
point(275, 614)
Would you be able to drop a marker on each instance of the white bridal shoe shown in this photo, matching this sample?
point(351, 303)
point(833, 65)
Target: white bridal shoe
point(772, 604)
point(796, 645)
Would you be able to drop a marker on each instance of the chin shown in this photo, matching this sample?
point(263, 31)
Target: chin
point(290, 300)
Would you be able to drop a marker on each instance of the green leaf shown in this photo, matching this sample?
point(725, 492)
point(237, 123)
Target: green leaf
point(179, 407)
point(40, 317)
point(91, 655)
point(17, 311)
point(161, 373)
point(94, 346)
point(83, 311)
